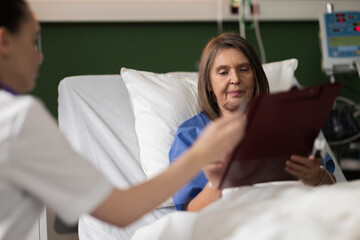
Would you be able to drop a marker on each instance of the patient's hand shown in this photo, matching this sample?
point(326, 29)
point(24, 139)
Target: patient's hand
point(214, 171)
point(210, 193)
point(306, 169)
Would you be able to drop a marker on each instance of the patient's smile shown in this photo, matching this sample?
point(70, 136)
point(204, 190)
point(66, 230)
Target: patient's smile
point(237, 93)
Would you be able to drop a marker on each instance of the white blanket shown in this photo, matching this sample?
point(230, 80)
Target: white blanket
point(268, 211)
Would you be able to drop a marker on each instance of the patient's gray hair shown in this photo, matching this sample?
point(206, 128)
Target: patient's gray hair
point(207, 99)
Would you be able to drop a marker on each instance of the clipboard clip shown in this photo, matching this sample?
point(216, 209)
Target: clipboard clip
point(303, 94)
point(312, 91)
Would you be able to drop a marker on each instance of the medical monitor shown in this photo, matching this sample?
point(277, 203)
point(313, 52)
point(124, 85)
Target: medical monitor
point(340, 41)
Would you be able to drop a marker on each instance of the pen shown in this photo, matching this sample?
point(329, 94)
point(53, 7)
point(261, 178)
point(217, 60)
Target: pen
point(318, 148)
point(317, 154)
point(242, 106)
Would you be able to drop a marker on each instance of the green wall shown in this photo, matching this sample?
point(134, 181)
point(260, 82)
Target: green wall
point(103, 48)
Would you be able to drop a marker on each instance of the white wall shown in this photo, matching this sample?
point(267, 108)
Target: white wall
point(179, 10)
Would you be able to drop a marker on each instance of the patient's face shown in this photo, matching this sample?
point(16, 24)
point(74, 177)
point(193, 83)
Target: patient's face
point(232, 79)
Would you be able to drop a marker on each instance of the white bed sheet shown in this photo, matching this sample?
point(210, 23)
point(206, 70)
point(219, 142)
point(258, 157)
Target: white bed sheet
point(272, 211)
point(96, 117)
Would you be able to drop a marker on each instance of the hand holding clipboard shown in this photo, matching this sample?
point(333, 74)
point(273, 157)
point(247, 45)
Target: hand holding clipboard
point(278, 126)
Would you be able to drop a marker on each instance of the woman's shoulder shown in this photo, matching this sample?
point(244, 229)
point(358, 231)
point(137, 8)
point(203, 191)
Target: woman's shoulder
point(186, 134)
point(20, 112)
point(200, 120)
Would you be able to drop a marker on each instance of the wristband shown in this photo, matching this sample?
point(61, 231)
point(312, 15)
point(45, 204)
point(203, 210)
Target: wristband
point(323, 179)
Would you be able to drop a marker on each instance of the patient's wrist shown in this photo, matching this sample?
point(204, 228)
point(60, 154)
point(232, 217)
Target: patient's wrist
point(322, 178)
point(207, 196)
point(213, 189)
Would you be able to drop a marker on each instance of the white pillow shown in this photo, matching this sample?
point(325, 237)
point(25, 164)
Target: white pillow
point(281, 74)
point(161, 102)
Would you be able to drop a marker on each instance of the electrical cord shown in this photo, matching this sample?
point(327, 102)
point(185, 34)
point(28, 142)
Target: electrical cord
point(320, 152)
point(357, 64)
point(349, 101)
point(257, 31)
point(322, 180)
point(327, 173)
point(344, 141)
point(219, 16)
point(356, 106)
point(355, 115)
point(241, 8)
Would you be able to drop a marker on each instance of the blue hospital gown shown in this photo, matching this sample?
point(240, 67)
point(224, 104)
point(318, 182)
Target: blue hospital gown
point(186, 134)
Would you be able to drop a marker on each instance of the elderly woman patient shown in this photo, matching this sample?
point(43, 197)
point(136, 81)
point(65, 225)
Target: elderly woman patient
point(230, 72)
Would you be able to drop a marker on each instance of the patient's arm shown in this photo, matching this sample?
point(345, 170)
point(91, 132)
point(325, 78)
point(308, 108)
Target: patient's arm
point(214, 172)
point(123, 207)
point(325, 178)
point(208, 195)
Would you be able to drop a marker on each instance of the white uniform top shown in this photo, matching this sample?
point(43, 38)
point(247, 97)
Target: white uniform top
point(38, 166)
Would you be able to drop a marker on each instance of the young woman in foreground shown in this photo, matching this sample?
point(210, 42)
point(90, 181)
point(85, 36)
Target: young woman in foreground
point(37, 165)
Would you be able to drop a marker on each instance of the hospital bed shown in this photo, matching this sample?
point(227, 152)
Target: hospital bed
point(98, 119)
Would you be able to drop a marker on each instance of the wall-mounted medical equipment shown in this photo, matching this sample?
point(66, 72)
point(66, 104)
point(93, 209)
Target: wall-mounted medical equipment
point(234, 6)
point(240, 8)
point(340, 41)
